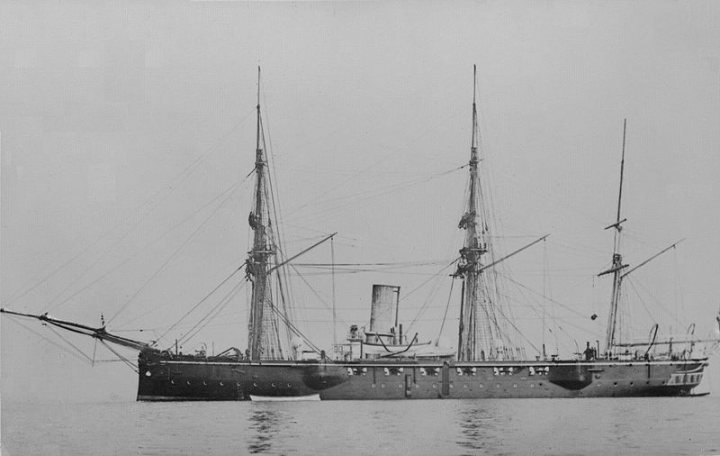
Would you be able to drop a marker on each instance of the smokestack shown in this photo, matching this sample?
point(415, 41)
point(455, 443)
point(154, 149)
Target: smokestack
point(384, 310)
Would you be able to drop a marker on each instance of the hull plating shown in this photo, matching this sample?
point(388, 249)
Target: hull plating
point(183, 379)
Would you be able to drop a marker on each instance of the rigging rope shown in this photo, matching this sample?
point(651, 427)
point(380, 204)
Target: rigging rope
point(447, 306)
point(129, 258)
point(122, 358)
point(568, 322)
point(320, 298)
point(83, 356)
point(425, 304)
point(343, 202)
point(642, 301)
point(507, 320)
point(566, 307)
point(69, 343)
point(176, 252)
point(400, 263)
point(283, 283)
point(209, 316)
point(151, 203)
point(332, 256)
point(426, 282)
point(50, 341)
point(294, 328)
point(658, 304)
point(174, 325)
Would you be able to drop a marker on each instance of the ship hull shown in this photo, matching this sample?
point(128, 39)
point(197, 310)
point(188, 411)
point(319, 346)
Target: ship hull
point(164, 378)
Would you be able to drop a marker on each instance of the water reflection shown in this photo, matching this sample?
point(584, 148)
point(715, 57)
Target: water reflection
point(479, 429)
point(264, 425)
point(640, 426)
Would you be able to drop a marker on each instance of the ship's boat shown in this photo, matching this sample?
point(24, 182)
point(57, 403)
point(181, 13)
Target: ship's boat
point(384, 361)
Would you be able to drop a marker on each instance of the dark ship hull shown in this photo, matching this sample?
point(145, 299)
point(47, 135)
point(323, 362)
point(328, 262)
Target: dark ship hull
point(165, 377)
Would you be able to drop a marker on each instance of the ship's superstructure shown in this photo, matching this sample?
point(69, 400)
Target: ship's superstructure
point(382, 360)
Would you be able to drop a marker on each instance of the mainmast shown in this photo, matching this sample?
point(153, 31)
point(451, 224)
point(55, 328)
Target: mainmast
point(617, 265)
point(263, 333)
point(471, 337)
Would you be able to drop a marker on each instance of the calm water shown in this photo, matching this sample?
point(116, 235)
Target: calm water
point(441, 427)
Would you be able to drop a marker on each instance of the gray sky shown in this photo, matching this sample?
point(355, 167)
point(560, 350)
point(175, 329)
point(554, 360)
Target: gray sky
point(123, 124)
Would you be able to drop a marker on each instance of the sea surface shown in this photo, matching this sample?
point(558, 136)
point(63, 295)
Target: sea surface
point(642, 426)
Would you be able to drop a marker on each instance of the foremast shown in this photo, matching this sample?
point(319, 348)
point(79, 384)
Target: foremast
point(617, 263)
point(263, 325)
point(479, 331)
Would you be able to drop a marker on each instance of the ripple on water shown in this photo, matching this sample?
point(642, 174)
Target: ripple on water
point(642, 426)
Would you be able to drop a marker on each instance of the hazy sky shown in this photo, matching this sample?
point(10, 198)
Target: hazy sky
point(127, 131)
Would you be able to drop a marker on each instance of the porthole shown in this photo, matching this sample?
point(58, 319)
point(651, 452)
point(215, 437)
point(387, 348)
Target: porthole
point(222, 384)
point(188, 382)
point(148, 374)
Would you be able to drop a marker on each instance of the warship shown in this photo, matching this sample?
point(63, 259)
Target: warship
point(383, 361)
